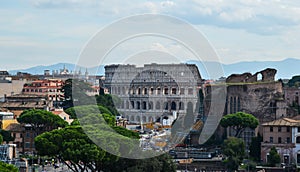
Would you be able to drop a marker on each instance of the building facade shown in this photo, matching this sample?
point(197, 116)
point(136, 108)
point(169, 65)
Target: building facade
point(284, 135)
point(155, 91)
point(52, 88)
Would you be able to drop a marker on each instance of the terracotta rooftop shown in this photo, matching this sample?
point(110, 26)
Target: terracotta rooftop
point(283, 122)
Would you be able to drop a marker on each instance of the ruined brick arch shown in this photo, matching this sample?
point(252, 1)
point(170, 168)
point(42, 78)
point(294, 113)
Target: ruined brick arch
point(259, 76)
point(266, 75)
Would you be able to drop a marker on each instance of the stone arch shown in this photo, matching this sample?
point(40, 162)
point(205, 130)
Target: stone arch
point(150, 105)
point(259, 77)
point(157, 106)
point(132, 104)
point(173, 105)
point(145, 91)
point(132, 118)
point(131, 90)
point(150, 119)
point(144, 119)
point(138, 119)
point(127, 104)
point(166, 106)
point(138, 91)
point(181, 106)
point(166, 90)
point(190, 106)
point(138, 105)
point(144, 105)
point(127, 117)
point(123, 90)
point(122, 104)
point(151, 90)
point(119, 90)
point(158, 91)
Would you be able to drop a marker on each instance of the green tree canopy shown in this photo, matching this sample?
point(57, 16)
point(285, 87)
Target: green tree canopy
point(72, 145)
point(4, 167)
point(255, 148)
point(294, 82)
point(6, 136)
point(41, 120)
point(75, 91)
point(273, 158)
point(1, 139)
point(109, 101)
point(86, 108)
point(234, 149)
point(239, 121)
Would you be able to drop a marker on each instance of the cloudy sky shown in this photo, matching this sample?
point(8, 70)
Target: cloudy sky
point(42, 32)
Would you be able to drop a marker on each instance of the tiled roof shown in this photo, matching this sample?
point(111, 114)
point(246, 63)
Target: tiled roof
point(20, 105)
point(14, 127)
point(283, 122)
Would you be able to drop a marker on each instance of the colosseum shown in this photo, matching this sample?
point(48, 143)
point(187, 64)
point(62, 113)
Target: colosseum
point(154, 91)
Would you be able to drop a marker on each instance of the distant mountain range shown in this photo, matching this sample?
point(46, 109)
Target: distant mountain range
point(285, 68)
point(37, 70)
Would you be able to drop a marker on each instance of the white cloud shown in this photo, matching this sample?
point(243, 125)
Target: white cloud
point(239, 29)
point(238, 15)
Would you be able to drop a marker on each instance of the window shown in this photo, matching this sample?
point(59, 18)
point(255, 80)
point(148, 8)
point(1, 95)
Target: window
point(279, 139)
point(27, 145)
point(298, 129)
point(271, 129)
point(27, 134)
point(287, 129)
point(279, 129)
point(298, 158)
point(298, 139)
point(271, 139)
point(288, 140)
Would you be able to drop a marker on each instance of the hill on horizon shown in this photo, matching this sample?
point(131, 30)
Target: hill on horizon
point(286, 69)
